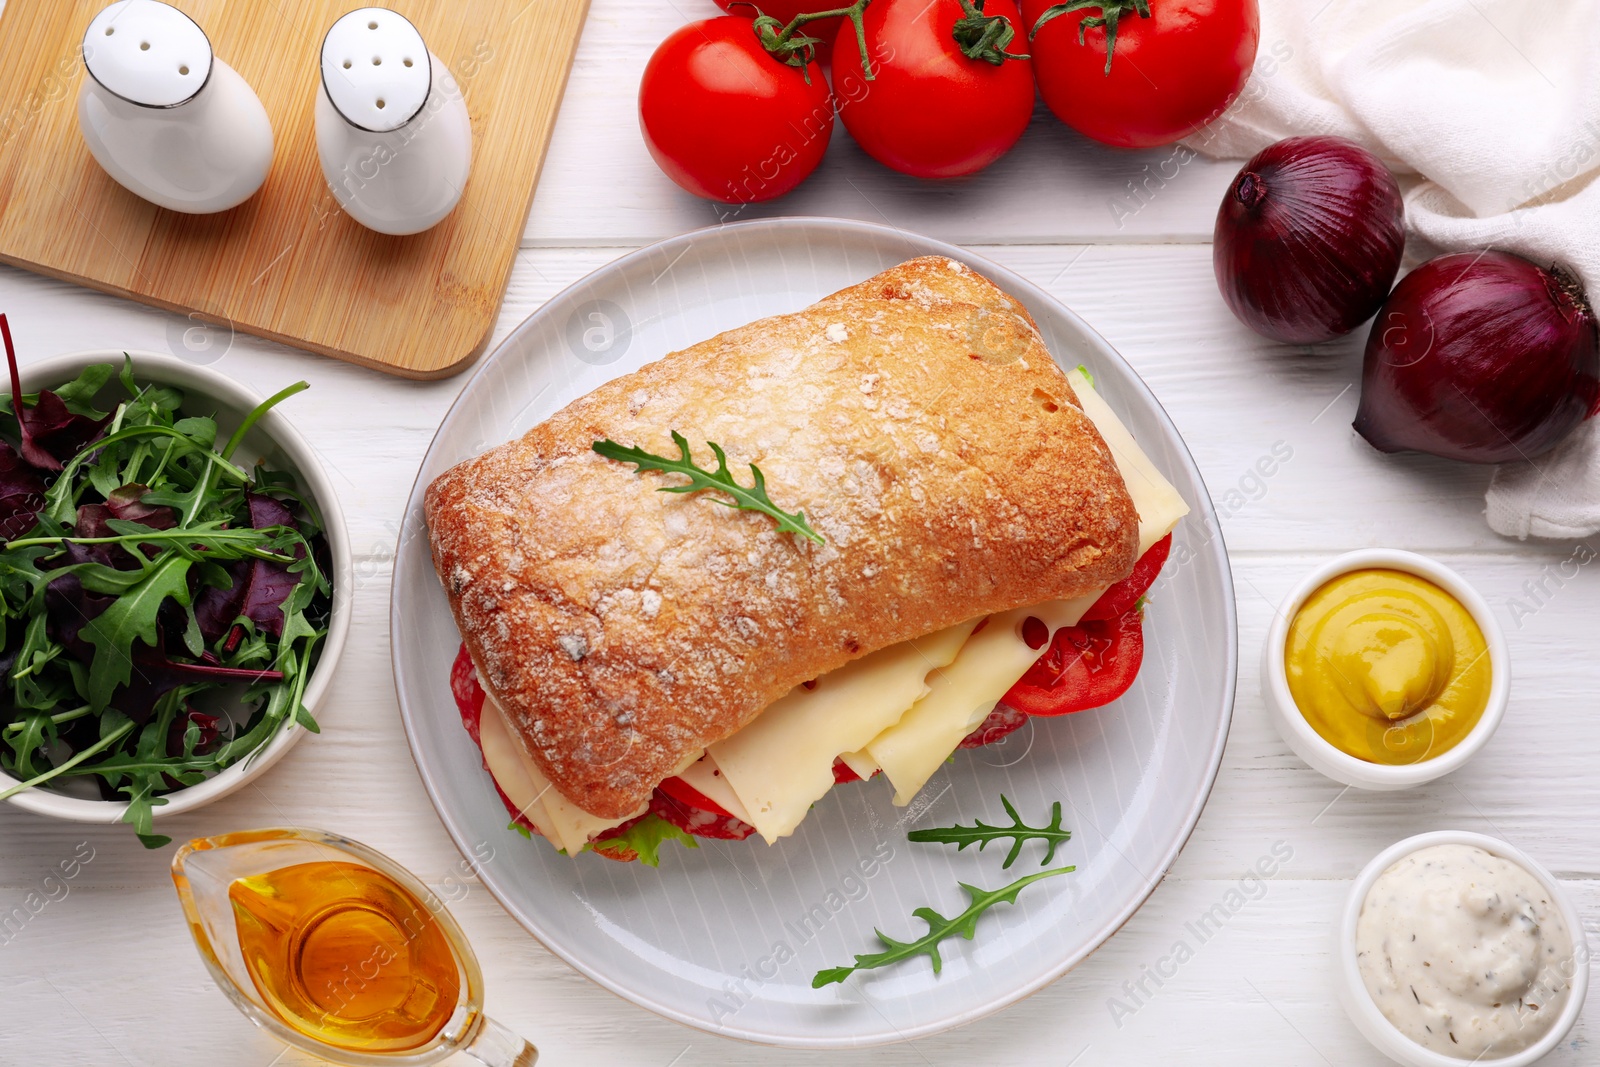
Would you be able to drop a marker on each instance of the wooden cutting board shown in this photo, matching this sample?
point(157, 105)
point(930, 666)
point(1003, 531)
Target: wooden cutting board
point(288, 264)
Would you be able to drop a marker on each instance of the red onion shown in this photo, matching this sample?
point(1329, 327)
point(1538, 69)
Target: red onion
point(1480, 356)
point(1308, 239)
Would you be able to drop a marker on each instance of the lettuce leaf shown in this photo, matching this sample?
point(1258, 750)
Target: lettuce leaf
point(645, 837)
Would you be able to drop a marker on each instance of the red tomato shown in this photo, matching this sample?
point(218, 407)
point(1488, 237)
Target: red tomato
point(1171, 74)
point(684, 793)
point(709, 821)
point(726, 120)
point(1122, 597)
point(785, 11)
point(931, 112)
point(1088, 665)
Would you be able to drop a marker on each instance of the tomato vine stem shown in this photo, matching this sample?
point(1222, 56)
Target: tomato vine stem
point(780, 40)
point(1111, 12)
point(981, 37)
point(985, 37)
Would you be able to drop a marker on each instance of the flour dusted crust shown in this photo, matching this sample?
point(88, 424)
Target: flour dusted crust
point(918, 422)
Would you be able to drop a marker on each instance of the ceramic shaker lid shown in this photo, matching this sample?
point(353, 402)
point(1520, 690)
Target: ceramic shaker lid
point(375, 68)
point(148, 53)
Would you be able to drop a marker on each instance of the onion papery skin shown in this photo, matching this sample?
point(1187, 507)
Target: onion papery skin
point(1308, 239)
point(1483, 357)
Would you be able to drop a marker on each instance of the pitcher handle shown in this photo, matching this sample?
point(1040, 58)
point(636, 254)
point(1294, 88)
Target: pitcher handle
point(496, 1046)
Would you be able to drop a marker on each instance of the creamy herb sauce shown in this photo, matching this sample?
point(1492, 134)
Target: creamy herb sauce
point(1464, 952)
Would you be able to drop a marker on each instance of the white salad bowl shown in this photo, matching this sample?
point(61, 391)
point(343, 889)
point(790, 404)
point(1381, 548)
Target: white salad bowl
point(275, 440)
point(1323, 756)
point(1383, 1034)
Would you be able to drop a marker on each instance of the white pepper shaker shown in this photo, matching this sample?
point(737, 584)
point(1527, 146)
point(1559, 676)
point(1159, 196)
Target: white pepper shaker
point(393, 131)
point(165, 117)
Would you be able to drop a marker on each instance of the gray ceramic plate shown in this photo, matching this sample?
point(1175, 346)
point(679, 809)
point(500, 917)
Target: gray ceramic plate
point(727, 938)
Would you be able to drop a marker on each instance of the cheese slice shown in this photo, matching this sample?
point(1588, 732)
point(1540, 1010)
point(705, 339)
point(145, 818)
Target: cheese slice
point(990, 663)
point(860, 762)
point(960, 697)
point(707, 779)
point(557, 818)
point(1159, 504)
point(782, 762)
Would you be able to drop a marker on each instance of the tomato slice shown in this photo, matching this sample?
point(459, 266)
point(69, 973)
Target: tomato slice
point(684, 793)
point(1121, 598)
point(1087, 665)
point(710, 821)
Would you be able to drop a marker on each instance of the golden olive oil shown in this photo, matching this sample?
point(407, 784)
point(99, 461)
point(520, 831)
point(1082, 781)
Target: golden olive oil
point(345, 955)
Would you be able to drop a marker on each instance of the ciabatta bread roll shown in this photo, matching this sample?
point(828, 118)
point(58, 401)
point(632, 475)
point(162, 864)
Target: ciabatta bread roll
point(917, 421)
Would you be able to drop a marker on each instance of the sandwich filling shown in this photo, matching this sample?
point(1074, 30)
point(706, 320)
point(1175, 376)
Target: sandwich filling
point(902, 710)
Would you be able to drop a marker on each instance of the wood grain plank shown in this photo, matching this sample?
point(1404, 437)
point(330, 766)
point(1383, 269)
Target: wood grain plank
point(288, 264)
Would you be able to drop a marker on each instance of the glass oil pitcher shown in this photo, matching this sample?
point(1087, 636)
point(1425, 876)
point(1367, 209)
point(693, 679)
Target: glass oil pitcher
point(337, 950)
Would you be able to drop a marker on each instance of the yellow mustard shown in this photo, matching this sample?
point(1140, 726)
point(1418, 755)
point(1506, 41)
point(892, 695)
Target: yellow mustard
point(1387, 666)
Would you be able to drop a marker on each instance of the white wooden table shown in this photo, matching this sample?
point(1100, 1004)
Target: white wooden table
point(107, 975)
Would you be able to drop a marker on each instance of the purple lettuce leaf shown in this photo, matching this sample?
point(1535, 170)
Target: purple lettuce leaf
point(21, 494)
point(69, 607)
point(259, 586)
point(127, 503)
point(91, 522)
point(215, 609)
point(51, 434)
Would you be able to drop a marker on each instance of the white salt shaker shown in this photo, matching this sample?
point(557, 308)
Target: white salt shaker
point(393, 131)
point(165, 117)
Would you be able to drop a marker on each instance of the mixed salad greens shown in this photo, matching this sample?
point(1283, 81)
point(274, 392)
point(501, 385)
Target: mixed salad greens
point(161, 606)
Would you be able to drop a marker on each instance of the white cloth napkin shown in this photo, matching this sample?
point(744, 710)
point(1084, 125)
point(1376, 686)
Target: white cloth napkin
point(1495, 106)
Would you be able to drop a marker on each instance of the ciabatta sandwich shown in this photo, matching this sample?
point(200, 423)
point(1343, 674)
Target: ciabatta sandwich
point(949, 512)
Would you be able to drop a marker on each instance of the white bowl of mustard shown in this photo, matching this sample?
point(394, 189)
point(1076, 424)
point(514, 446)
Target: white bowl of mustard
point(1456, 948)
point(1384, 670)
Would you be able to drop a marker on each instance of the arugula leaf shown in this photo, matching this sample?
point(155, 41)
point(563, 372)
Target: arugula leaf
point(980, 833)
point(209, 538)
point(645, 837)
point(256, 415)
point(32, 735)
point(79, 393)
point(61, 503)
point(132, 616)
point(939, 929)
point(198, 428)
point(93, 750)
point(721, 480)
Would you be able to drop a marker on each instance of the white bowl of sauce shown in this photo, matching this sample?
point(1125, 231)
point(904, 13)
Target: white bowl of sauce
point(1457, 948)
point(1384, 670)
